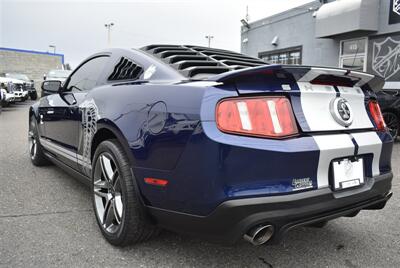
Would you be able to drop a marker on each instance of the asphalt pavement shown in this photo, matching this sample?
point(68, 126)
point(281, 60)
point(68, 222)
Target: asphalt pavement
point(46, 219)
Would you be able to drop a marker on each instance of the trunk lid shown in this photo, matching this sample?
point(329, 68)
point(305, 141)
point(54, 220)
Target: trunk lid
point(323, 99)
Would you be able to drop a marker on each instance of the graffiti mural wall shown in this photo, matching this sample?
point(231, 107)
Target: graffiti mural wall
point(384, 56)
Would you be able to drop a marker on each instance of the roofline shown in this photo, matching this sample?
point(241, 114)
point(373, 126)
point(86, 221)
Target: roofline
point(312, 2)
point(34, 52)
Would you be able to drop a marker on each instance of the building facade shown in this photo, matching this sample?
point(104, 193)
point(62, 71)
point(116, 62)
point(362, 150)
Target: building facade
point(359, 35)
point(32, 63)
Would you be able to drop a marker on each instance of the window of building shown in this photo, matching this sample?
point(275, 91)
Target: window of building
point(353, 54)
point(282, 56)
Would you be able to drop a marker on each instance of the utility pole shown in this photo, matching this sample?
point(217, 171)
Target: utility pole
point(209, 37)
point(54, 48)
point(108, 27)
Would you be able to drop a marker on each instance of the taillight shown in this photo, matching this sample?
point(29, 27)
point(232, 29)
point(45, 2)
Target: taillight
point(376, 114)
point(270, 117)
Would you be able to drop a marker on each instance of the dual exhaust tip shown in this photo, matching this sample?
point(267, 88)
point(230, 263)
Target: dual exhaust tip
point(259, 234)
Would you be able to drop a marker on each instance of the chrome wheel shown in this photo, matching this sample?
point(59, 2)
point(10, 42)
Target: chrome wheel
point(32, 145)
point(107, 193)
point(392, 122)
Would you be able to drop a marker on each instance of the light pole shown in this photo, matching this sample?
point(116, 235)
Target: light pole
point(54, 48)
point(209, 37)
point(108, 26)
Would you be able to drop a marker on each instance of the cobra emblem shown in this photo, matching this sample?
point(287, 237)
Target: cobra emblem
point(341, 111)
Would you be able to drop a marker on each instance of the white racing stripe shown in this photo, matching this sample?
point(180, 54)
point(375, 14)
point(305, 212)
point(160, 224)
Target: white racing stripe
point(369, 142)
point(53, 147)
point(317, 71)
point(341, 145)
point(315, 101)
point(331, 147)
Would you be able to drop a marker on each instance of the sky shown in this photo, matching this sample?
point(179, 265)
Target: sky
point(77, 28)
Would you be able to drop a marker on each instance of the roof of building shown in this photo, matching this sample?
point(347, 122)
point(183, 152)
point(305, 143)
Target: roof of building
point(295, 11)
point(33, 52)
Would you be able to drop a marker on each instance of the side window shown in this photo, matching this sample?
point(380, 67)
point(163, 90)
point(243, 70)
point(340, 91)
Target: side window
point(86, 77)
point(125, 69)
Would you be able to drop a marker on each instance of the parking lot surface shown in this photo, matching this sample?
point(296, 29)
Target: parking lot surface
point(46, 219)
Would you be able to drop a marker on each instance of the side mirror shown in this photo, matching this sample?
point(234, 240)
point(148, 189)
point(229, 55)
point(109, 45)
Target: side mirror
point(51, 86)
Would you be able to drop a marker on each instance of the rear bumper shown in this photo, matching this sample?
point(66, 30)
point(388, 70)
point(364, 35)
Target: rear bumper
point(231, 219)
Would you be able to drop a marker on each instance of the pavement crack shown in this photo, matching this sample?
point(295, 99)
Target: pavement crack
point(43, 213)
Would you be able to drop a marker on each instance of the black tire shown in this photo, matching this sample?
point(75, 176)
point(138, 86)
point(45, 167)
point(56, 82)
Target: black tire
point(33, 96)
point(36, 154)
point(132, 224)
point(393, 123)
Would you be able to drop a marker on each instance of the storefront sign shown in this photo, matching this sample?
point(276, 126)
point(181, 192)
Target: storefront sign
point(394, 11)
point(384, 56)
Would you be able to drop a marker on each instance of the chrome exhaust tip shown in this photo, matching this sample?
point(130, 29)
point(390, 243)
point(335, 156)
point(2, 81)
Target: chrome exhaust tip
point(259, 234)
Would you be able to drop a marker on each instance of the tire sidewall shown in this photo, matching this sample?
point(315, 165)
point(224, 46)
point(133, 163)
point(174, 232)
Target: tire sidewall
point(33, 128)
point(398, 123)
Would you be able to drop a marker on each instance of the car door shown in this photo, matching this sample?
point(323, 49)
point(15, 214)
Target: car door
point(62, 116)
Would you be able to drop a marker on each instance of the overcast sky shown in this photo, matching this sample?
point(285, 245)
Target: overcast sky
point(77, 27)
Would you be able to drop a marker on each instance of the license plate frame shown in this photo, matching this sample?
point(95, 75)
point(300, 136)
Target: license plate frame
point(348, 173)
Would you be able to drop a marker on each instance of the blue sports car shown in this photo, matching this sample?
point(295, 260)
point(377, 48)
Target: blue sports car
point(214, 143)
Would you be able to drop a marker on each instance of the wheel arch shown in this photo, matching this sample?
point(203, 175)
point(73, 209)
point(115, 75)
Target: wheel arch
point(106, 130)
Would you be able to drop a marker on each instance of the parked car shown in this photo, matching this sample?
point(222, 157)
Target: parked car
point(214, 143)
point(2, 96)
point(7, 99)
point(389, 100)
point(26, 84)
point(60, 75)
point(55, 75)
point(20, 95)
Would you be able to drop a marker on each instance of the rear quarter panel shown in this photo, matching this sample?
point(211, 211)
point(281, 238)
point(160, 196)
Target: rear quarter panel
point(155, 120)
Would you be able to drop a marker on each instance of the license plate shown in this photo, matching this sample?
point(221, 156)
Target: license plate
point(348, 173)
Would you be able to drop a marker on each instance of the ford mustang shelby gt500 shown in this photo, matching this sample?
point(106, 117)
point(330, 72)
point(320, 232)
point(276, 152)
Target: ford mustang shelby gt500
point(214, 143)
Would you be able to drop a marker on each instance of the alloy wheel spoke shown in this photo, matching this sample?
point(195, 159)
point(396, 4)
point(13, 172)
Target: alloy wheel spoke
point(115, 181)
point(101, 184)
point(34, 148)
point(107, 196)
point(106, 168)
point(118, 207)
point(108, 216)
point(32, 145)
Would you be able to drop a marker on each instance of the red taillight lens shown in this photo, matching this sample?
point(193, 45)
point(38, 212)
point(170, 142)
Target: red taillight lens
point(376, 114)
point(266, 117)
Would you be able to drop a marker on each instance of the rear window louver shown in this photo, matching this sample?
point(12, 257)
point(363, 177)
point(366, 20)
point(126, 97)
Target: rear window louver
point(201, 62)
point(125, 70)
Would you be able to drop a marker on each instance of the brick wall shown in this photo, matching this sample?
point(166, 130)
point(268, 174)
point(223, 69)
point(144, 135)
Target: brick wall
point(34, 65)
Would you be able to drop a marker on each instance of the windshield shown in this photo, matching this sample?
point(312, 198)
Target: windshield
point(59, 73)
point(17, 76)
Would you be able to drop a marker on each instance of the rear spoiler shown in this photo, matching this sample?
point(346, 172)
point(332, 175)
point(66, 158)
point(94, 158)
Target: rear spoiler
point(317, 75)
